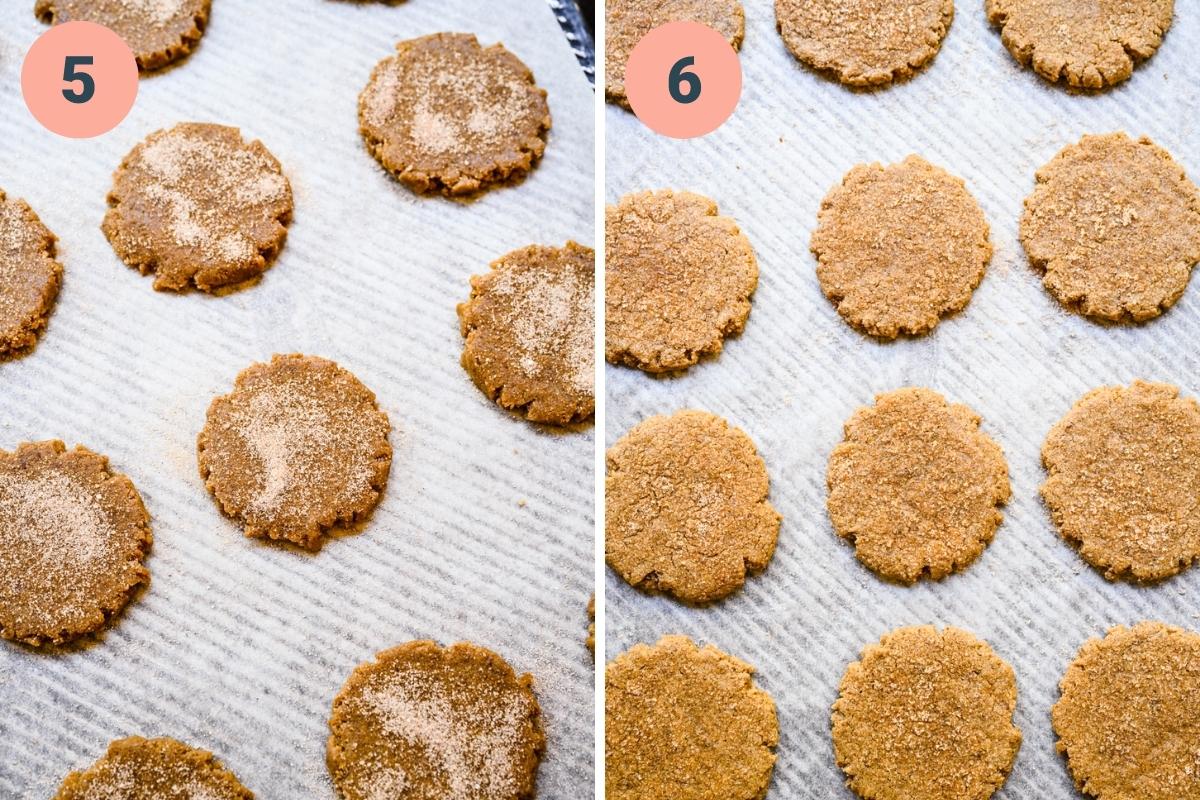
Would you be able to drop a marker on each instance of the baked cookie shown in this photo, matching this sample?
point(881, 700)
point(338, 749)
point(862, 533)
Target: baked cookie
point(157, 31)
point(899, 247)
point(686, 507)
point(430, 723)
point(686, 723)
point(915, 485)
point(926, 715)
point(864, 42)
point(75, 537)
point(678, 280)
point(1114, 227)
point(530, 329)
point(297, 448)
point(29, 276)
point(591, 637)
point(446, 115)
point(153, 769)
point(1123, 475)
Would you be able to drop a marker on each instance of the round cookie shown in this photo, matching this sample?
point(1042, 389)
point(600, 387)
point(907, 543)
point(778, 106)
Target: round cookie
point(1114, 227)
point(899, 247)
point(75, 538)
point(1123, 475)
point(687, 723)
point(1128, 719)
point(926, 715)
point(530, 329)
point(591, 637)
point(445, 115)
point(157, 31)
point(864, 42)
point(431, 723)
point(686, 507)
point(29, 276)
point(678, 280)
point(915, 486)
point(297, 448)
point(153, 769)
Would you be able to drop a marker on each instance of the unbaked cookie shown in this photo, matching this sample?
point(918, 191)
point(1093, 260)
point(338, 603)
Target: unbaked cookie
point(686, 507)
point(686, 723)
point(926, 715)
point(299, 447)
point(432, 723)
point(1123, 475)
point(915, 486)
point(1114, 227)
point(29, 276)
point(75, 537)
point(153, 769)
point(530, 329)
point(678, 280)
point(157, 31)
point(899, 247)
point(447, 115)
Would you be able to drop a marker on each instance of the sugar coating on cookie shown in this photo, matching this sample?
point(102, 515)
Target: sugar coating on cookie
point(530, 329)
point(916, 486)
point(76, 536)
point(899, 247)
point(1123, 475)
point(30, 276)
point(297, 448)
point(153, 769)
point(1113, 225)
point(433, 723)
point(686, 507)
point(446, 115)
point(157, 31)
point(687, 723)
point(678, 280)
point(926, 715)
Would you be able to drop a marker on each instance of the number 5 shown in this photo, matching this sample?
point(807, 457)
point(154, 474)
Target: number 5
point(86, 82)
point(678, 76)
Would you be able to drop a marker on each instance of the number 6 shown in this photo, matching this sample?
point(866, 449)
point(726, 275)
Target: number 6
point(678, 76)
point(86, 82)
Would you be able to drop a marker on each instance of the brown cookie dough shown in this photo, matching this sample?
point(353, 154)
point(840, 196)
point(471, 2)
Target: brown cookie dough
point(29, 276)
point(678, 280)
point(926, 715)
point(899, 247)
point(686, 507)
point(447, 115)
point(157, 31)
point(1114, 227)
point(424, 722)
point(591, 637)
point(153, 769)
point(915, 486)
point(1123, 475)
point(530, 329)
point(75, 538)
point(686, 723)
point(297, 448)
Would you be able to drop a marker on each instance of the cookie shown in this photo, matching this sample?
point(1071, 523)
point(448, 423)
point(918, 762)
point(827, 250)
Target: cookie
point(864, 42)
point(1114, 227)
point(1123, 475)
point(1128, 720)
point(678, 280)
point(686, 507)
point(445, 115)
point(430, 723)
point(297, 448)
point(530, 329)
point(627, 21)
point(899, 247)
point(591, 637)
point(157, 31)
point(915, 486)
point(75, 537)
point(29, 276)
point(686, 723)
point(1083, 43)
point(926, 715)
point(153, 769)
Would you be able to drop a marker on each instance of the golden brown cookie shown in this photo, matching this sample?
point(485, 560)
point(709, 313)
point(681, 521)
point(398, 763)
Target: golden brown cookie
point(678, 280)
point(530, 329)
point(686, 507)
point(686, 723)
point(153, 769)
point(157, 31)
point(29, 276)
point(591, 637)
point(297, 448)
point(899, 247)
point(1123, 475)
point(926, 715)
point(424, 722)
point(915, 486)
point(446, 115)
point(1114, 227)
point(75, 537)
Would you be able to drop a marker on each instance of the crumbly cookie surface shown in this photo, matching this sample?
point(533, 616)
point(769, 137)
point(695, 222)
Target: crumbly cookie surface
point(30, 276)
point(157, 31)
point(153, 769)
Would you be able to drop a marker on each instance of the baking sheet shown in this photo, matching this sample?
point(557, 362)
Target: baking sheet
point(485, 532)
point(798, 372)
